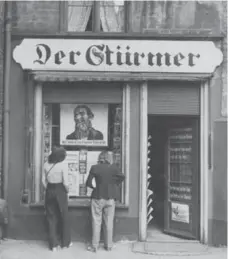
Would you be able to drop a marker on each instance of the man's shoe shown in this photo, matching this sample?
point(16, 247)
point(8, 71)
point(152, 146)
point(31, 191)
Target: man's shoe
point(108, 248)
point(55, 248)
point(71, 244)
point(92, 249)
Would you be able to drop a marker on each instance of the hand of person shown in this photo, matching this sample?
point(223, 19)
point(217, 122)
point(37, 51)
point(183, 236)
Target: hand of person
point(94, 183)
point(67, 188)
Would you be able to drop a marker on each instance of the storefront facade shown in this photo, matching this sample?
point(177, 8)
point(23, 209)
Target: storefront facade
point(132, 92)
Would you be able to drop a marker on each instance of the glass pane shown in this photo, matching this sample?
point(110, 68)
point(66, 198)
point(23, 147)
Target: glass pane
point(150, 15)
point(79, 15)
point(112, 16)
point(84, 130)
point(180, 160)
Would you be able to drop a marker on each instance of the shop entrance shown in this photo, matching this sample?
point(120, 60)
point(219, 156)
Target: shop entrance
point(173, 177)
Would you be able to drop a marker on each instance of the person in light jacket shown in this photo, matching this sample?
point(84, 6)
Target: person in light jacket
point(105, 192)
point(55, 181)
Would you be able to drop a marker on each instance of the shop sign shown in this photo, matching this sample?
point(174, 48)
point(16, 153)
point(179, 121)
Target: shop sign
point(180, 212)
point(118, 55)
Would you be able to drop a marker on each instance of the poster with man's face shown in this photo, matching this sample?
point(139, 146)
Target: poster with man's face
point(84, 124)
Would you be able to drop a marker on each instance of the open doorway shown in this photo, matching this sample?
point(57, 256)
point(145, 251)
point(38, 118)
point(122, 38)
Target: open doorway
point(173, 170)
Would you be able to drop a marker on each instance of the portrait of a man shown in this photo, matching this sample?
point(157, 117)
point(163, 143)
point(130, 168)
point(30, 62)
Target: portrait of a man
point(83, 125)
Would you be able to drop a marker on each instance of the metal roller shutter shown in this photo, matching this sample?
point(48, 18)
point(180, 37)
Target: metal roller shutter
point(82, 92)
point(181, 98)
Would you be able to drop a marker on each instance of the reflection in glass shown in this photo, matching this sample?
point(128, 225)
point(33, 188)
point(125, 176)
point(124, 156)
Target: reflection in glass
point(112, 16)
point(78, 15)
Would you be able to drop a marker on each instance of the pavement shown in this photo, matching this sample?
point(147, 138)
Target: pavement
point(18, 249)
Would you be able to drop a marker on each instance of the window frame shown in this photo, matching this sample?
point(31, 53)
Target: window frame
point(63, 9)
point(50, 107)
point(34, 164)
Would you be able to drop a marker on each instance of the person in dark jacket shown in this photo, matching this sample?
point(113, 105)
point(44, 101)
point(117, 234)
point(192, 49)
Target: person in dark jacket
point(107, 178)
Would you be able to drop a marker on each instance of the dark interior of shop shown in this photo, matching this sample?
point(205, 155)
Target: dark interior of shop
point(158, 127)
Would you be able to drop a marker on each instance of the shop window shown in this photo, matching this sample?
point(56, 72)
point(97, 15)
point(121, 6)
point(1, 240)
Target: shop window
point(80, 16)
point(84, 129)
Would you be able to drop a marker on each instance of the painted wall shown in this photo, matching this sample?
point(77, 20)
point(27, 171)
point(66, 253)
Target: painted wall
point(168, 16)
point(218, 171)
point(35, 16)
point(2, 9)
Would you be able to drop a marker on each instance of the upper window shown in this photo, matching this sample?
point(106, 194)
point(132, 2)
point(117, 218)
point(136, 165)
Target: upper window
point(107, 16)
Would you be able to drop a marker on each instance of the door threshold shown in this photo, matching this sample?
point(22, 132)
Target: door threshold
point(155, 234)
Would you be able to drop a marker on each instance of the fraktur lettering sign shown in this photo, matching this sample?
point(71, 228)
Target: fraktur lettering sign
point(98, 54)
point(118, 56)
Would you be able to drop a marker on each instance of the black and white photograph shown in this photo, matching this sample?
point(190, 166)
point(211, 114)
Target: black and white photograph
point(113, 129)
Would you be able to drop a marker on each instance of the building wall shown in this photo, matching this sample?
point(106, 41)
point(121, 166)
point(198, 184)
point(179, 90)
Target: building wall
point(36, 16)
point(2, 8)
point(161, 18)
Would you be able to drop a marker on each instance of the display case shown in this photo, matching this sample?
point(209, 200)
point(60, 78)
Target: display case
point(58, 122)
point(182, 181)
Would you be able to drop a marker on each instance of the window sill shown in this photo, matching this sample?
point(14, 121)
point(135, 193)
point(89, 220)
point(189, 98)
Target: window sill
point(79, 203)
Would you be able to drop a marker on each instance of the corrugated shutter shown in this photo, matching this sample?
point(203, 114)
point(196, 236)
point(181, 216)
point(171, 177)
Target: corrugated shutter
point(182, 98)
point(82, 93)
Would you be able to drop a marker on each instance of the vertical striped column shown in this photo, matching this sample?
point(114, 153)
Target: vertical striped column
point(149, 191)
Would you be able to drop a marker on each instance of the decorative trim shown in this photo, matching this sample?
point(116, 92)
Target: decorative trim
point(38, 110)
point(66, 76)
point(204, 163)
point(126, 141)
point(165, 35)
point(77, 203)
point(143, 163)
point(63, 5)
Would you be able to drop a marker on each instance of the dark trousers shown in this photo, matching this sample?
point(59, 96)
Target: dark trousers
point(56, 205)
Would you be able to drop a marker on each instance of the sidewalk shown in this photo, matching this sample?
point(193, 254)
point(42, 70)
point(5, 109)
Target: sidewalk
point(15, 249)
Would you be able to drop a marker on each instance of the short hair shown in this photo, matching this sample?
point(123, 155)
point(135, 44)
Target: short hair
point(104, 157)
point(57, 155)
point(88, 110)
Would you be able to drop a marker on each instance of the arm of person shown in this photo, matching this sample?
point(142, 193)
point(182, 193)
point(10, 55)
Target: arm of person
point(118, 176)
point(65, 176)
point(90, 179)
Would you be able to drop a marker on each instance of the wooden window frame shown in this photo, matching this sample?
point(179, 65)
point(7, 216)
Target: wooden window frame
point(34, 162)
point(63, 9)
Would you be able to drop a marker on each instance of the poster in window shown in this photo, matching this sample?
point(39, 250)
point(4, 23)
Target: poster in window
point(180, 212)
point(84, 124)
point(72, 166)
point(77, 176)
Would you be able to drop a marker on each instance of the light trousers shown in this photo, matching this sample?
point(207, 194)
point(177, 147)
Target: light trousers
point(102, 210)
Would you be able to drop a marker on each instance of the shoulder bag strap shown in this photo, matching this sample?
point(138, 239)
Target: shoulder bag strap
point(49, 170)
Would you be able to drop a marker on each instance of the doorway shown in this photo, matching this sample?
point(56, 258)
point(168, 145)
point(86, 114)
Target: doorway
point(173, 177)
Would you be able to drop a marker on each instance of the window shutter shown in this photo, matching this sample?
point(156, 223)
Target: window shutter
point(174, 98)
point(82, 93)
